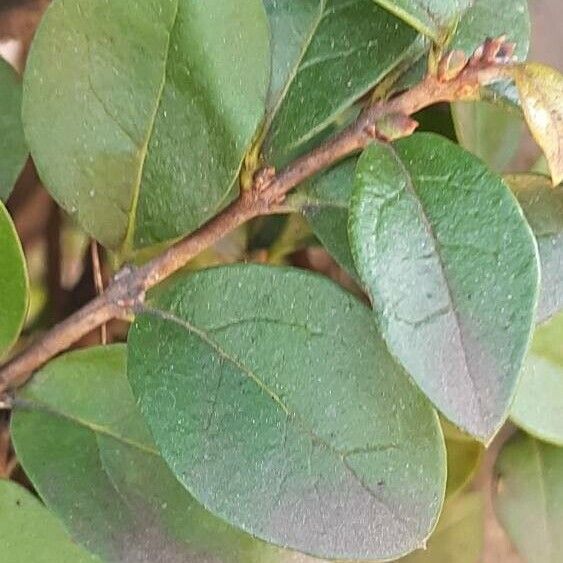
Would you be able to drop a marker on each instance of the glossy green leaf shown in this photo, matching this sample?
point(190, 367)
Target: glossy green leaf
point(13, 150)
point(459, 535)
point(529, 498)
point(464, 455)
point(29, 533)
point(489, 131)
point(431, 17)
point(543, 208)
point(14, 287)
point(326, 55)
point(538, 407)
point(276, 403)
point(89, 454)
point(139, 112)
point(541, 95)
point(452, 269)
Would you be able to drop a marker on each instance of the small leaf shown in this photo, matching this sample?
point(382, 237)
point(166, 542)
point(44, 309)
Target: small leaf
point(538, 407)
point(452, 270)
point(324, 201)
point(96, 466)
point(543, 208)
point(139, 113)
point(464, 455)
point(491, 132)
point(326, 55)
point(459, 535)
point(275, 402)
point(541, 96)
point(29, 533)
point(13, 150)
point(529, 498)
point(14, 292)
point(430, 17)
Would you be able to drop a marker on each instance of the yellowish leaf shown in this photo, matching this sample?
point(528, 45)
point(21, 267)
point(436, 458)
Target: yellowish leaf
point(541, 93)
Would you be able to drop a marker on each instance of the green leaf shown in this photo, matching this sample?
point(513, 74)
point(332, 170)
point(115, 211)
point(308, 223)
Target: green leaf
point(464, 455)
point(529, 498)
point(451, 266)
point(275, 402)
point(14, 285)
point(459, 535)
point(89, 454)
point(489, 131)
point(543, 208)
point(28, 532)
point(324, 201)
point(492, 132)
point(326, 55)
point(139, 113)
point(538, 407)
point(430, 17)
point(493, 18)
point(13, 150)
point(541, 95)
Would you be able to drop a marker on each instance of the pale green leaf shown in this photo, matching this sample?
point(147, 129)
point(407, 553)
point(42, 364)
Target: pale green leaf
point(14, 285)
point(538, 407)
point(464, 455)
point(30, 534)
point(88, 452)
point(451, 267)
point(543, 207)
point(326, 55)
point(139, 112)
point(13, 150)
point(529, 498)
point(276, 403)
point(491, 132)
point(459, 535)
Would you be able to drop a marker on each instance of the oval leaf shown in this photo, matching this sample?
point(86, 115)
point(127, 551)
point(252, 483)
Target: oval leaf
point(276, 403)
point(431, 17)
point(13, 283)
point(96, 466)
point(543, 207)
point(29, 533)
point(529, 498)
point(138, 116)
point(538, 407)
point(459, 535)
point(13, 150)
point(541, 95)
point(321, 46)
point(452, 270)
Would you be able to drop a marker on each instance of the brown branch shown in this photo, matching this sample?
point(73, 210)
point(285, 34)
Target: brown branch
point(128, 288)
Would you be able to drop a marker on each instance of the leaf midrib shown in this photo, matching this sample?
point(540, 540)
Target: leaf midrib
point(295, 70)
point(438, 247)
point(128, 242)
point(341, 456)
point(35, 404)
